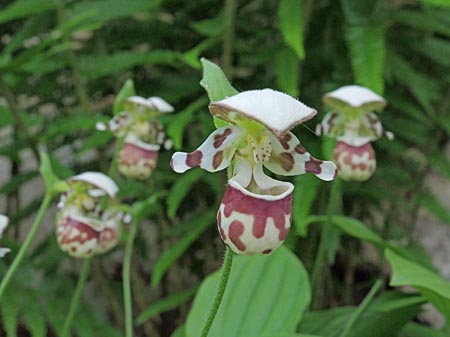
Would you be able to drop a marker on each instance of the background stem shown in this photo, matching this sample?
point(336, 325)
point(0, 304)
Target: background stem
point(126, 278)
point(76, 297)
point(228, 40)
point(21, 254)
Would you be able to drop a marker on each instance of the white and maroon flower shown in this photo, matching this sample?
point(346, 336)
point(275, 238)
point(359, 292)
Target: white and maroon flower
point(255, 214)
point(354, 124)
point(143, 134)
point(83, 236)
point(89, 221)
point(3, 224)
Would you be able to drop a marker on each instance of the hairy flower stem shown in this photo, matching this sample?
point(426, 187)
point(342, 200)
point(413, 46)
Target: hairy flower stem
point(226, 270)
point(21, 254)
point(76, 297)
point(327, 230)
point(126, 278)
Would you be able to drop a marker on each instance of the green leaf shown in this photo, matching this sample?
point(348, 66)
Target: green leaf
point(435, 207)
point(215, 82)
point(95, 66)
point(50, 179)
point(383, 317)
point(179, 190)
point(290, 17)
point(367, 51)
point(417, 330)
point(213, 27)
point(265, 295)
point(106, 10)
point(357, 229)
point(444, 3)
point(431, 285)
point(305, 192)
point(9, 313)
point(216, 85)
point(126, 91)
point(23, 8)
point(166, 304)
point(34, 319)
point(173, 253)
point(181, 119)
point(287, 71)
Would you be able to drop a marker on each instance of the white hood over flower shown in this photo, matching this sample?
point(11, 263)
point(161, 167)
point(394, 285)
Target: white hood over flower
point(258, 136)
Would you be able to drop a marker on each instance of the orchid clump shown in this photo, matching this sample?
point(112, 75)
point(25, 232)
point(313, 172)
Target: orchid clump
point(255, 214)
point(355, 125)
point(3, 224)
point(89, 221)
point(143, 134)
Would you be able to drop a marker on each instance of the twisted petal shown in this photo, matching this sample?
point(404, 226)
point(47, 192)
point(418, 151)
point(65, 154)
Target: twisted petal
point(213, 155)
point(333, 124)
point(275, 110)
point(152, 103)
point(289, 158)
point(375, 129)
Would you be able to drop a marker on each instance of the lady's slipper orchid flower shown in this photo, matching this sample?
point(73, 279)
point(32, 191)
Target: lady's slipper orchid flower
point(354, 124)
point(143, 134)
point(3, 223)
point(89, 222)
point(255, 214)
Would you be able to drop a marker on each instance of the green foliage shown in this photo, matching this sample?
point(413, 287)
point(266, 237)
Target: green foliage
point(265, 295)
point(66, 65)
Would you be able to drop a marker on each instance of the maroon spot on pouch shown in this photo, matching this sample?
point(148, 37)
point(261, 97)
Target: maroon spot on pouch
point(267, 251)
point(219, 139)
point(217, 159)
point(300, 149)
point(235, 231)
point(194, 159)
point(313, 165)
point(287, 161)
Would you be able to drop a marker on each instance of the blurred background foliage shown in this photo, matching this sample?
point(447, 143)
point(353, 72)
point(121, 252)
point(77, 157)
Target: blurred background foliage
point(63, 62)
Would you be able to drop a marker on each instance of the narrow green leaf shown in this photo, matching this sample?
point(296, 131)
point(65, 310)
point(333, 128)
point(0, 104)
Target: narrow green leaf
point(305, 192)
point(173, 253)
point(287, 71)
point(435, 207)
point(46, 171)
point(126, 91)
point(23, 8)
point(178, 123)
point(10, 311)
point(357, 229)
point(290, 17)
point(413, 329)
point(179, 190)
point(265, 295)
point(368, 51)
point(165, 304)
point(431, 285)
point(34, 319)
point(444, 3)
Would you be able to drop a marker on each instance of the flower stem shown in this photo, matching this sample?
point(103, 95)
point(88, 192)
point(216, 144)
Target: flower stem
point(325, 234)
point(228, 41)
point(361, 308)
point(126, 278)
point(226, 269)
point(76, 297)
point(113, 167)
point(21, 254)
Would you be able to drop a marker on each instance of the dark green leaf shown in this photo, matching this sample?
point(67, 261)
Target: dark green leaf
point(290, 17)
